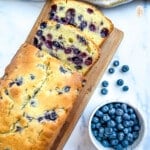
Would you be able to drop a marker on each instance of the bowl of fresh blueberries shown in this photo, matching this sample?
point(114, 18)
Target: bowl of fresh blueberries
point(116, 125)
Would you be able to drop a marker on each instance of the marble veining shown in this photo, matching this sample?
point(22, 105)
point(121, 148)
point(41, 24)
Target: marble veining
point(16, 20)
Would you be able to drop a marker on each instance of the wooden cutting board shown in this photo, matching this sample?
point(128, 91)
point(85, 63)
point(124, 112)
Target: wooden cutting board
point(93, 77)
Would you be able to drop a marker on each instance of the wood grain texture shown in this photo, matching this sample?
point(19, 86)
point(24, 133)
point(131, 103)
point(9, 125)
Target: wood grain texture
point(107, 51)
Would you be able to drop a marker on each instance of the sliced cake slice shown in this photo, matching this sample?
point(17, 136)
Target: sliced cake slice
point(84, 16)
point(68, 44)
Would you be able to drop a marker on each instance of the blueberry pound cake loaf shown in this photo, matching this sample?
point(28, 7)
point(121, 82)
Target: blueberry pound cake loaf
point(84, 16)
point(67, 44)
point(37, 92)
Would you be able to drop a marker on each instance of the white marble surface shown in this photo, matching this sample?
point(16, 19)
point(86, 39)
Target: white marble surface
point(16, 20)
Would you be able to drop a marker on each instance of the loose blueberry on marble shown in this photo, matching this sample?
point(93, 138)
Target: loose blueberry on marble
point(125, 88)
point(113, 126)
point(105, 83)
point(125, 68)
point(104, 91)
point(111, 70)
point(116, 63)
point(120, 82)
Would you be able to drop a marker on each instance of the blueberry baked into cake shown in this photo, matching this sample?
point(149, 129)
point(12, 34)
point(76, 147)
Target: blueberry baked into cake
point(84, 16)
point(36, 94)
point(68, 44)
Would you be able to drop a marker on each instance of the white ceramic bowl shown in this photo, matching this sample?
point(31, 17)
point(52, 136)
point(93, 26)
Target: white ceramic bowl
point(136, 143)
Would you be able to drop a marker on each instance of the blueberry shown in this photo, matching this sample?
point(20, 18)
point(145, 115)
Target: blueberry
point(110, 105)
point(111, 70)
point(57, 44)
point(104, 32)
point(124, 107)
point(97, 125)
point(119, 147)
point(92, 27)
point(81, 39)
point(126, 124)
point(129, 129)
point(114, 142)
point(101, 130)
point(19, 81)
point(42, 38)
point(68, 50)
point(126, 116)
point(90, 11)
point(120, 136)
point(130, 111)
point(83, 24)
point(88, 61)
point(130, 137)
point(136, 128)
point(51, 115)
point(35, 41)
point(40, 119)
point(32, 77)
point(48, 44)
point(112, 111)
point(104, 91)
point(118, 119)
point(98, 138)
point(93, 126)
point(108, 131)
point(125, 88)
point(80, 17)
point(70, 12)
point(105, 83)
point(43, 25)
point(77, 60)
point(99, 113)
point(119, 112)
point(18, 129)
point(120, 126)
point(62, 69)
point(133, 116)
point(105, 143)
point(120, 82)
point(105, 109)
point(95, 133)
point(131, 123)
point(111, 123)
point(106, 118)
point(95, 119)
point(135, 135)
point(125, 143)
point(126, 130)
point(66, 89)
point(117, 105)
point(113, 135)
point(125, 68)
point(116, 63)
point(39, 33)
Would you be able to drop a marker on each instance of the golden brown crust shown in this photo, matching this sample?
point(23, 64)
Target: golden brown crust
point(27, 102)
